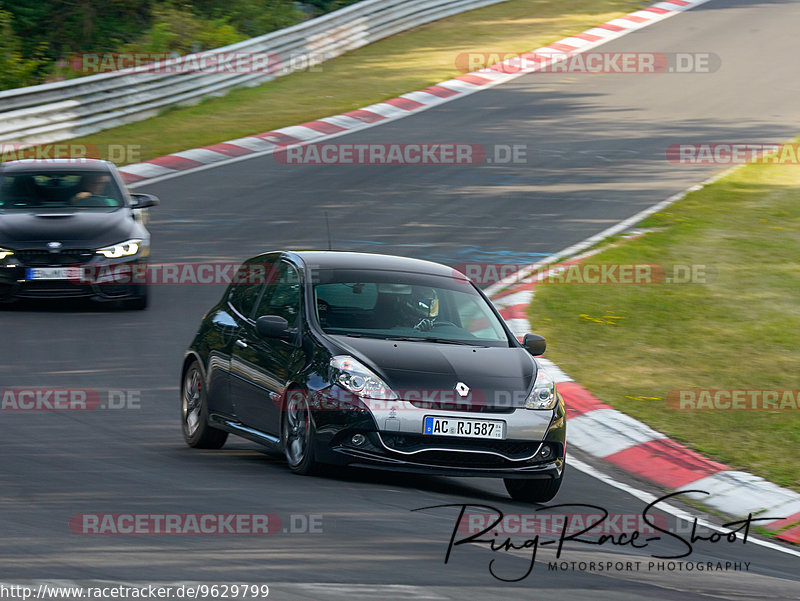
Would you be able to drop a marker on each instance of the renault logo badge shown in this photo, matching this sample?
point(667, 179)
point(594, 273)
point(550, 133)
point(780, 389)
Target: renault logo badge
point(462, 389)
point(54, 246)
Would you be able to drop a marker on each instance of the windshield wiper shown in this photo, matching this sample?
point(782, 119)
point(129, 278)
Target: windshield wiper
point(405, 338)
point(350, 334)
point(439, 340)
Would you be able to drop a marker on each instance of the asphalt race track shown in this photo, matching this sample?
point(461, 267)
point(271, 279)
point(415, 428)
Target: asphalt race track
point(596, 155)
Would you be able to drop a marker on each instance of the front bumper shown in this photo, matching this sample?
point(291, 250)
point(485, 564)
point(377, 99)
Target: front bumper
point(14, 283)
point(403, 446)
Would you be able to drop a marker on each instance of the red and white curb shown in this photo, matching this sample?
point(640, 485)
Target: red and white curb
point(599, 430)
point(397, 108)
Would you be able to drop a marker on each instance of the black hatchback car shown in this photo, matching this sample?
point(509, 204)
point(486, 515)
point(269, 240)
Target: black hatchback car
point(373, 361)
point(70, 228)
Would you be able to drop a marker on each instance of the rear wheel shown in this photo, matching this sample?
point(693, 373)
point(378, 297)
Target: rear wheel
point(194, 412)
point(533, 491)
point(297, 430)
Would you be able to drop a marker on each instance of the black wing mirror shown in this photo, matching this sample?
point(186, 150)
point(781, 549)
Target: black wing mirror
point(273, 326)
point(142, 201)
point(534, 344)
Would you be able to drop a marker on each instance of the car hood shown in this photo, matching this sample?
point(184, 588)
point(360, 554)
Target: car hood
point(496, 377)
point(78, 229)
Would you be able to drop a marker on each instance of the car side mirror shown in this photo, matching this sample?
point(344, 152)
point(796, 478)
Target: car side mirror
point(534, 344)
point(273, 326)
point(142, 201)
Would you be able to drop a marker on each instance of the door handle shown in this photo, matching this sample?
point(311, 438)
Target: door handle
point(241, 343)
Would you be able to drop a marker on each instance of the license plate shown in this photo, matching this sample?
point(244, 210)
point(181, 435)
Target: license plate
point(466, 428)
point(52, 273)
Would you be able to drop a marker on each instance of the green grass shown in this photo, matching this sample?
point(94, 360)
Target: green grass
point(739, 330)
point(403, 63)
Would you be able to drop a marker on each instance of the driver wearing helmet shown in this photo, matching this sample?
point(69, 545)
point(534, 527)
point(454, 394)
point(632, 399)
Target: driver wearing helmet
point(421, 307)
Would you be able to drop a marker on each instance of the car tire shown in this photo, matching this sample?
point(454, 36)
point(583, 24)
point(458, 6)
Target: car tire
point(298, 434)
point(194, 412)
point(533, 491)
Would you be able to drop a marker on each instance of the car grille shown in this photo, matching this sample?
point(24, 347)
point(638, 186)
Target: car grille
point(455, 459)
point(461, 406)
point(408, 443)
point(43, 258)
point(54, 288)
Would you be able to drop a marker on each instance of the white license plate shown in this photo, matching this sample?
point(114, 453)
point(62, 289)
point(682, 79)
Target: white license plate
point(466, 428)
point(52, 273)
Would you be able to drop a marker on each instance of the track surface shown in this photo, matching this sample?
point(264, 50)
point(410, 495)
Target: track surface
point(596, 146)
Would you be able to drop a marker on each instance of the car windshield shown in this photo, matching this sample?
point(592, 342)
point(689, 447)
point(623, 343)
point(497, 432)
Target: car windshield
point(38, 191)
point(404, 306)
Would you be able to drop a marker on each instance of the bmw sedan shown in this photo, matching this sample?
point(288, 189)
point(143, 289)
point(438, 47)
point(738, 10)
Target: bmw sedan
point(70, 228)
point(373, 361)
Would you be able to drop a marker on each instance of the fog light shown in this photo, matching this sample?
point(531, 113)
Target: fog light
point(545, 452)
point(358, 439)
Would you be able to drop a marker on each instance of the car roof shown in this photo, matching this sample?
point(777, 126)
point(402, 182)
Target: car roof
point(334, 259)
point(85, 165)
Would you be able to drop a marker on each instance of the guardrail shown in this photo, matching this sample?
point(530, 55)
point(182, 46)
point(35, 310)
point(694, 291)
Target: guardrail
point(52, 112)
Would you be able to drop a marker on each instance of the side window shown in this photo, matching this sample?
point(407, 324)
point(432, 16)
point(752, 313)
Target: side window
point(243, 297)
point(282, 295)
point(248, 284)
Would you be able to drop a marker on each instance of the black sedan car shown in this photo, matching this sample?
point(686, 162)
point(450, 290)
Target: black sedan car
point(373, 361)
point(70, 228)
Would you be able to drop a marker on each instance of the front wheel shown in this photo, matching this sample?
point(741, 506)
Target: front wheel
point(297, 432)
point(533, 491)
point(194, 412)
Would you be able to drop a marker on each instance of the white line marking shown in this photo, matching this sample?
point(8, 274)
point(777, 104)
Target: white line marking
point(740, 493)
point(668, 508)
point(148, 170)
point(252, 143)
point(603, 432)
point(343, 121)
point(201, 155)
point(300, 132)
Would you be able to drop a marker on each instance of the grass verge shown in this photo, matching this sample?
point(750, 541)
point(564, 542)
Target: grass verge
point(399, 64)
point(633, 344)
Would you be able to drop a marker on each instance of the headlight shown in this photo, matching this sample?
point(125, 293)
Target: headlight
point(4, 252)
point(355, 377)
point(543, 395)
point(123, 249)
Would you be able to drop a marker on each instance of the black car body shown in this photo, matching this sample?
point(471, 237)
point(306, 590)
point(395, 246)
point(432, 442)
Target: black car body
point(374, 361)
point(70, 228)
